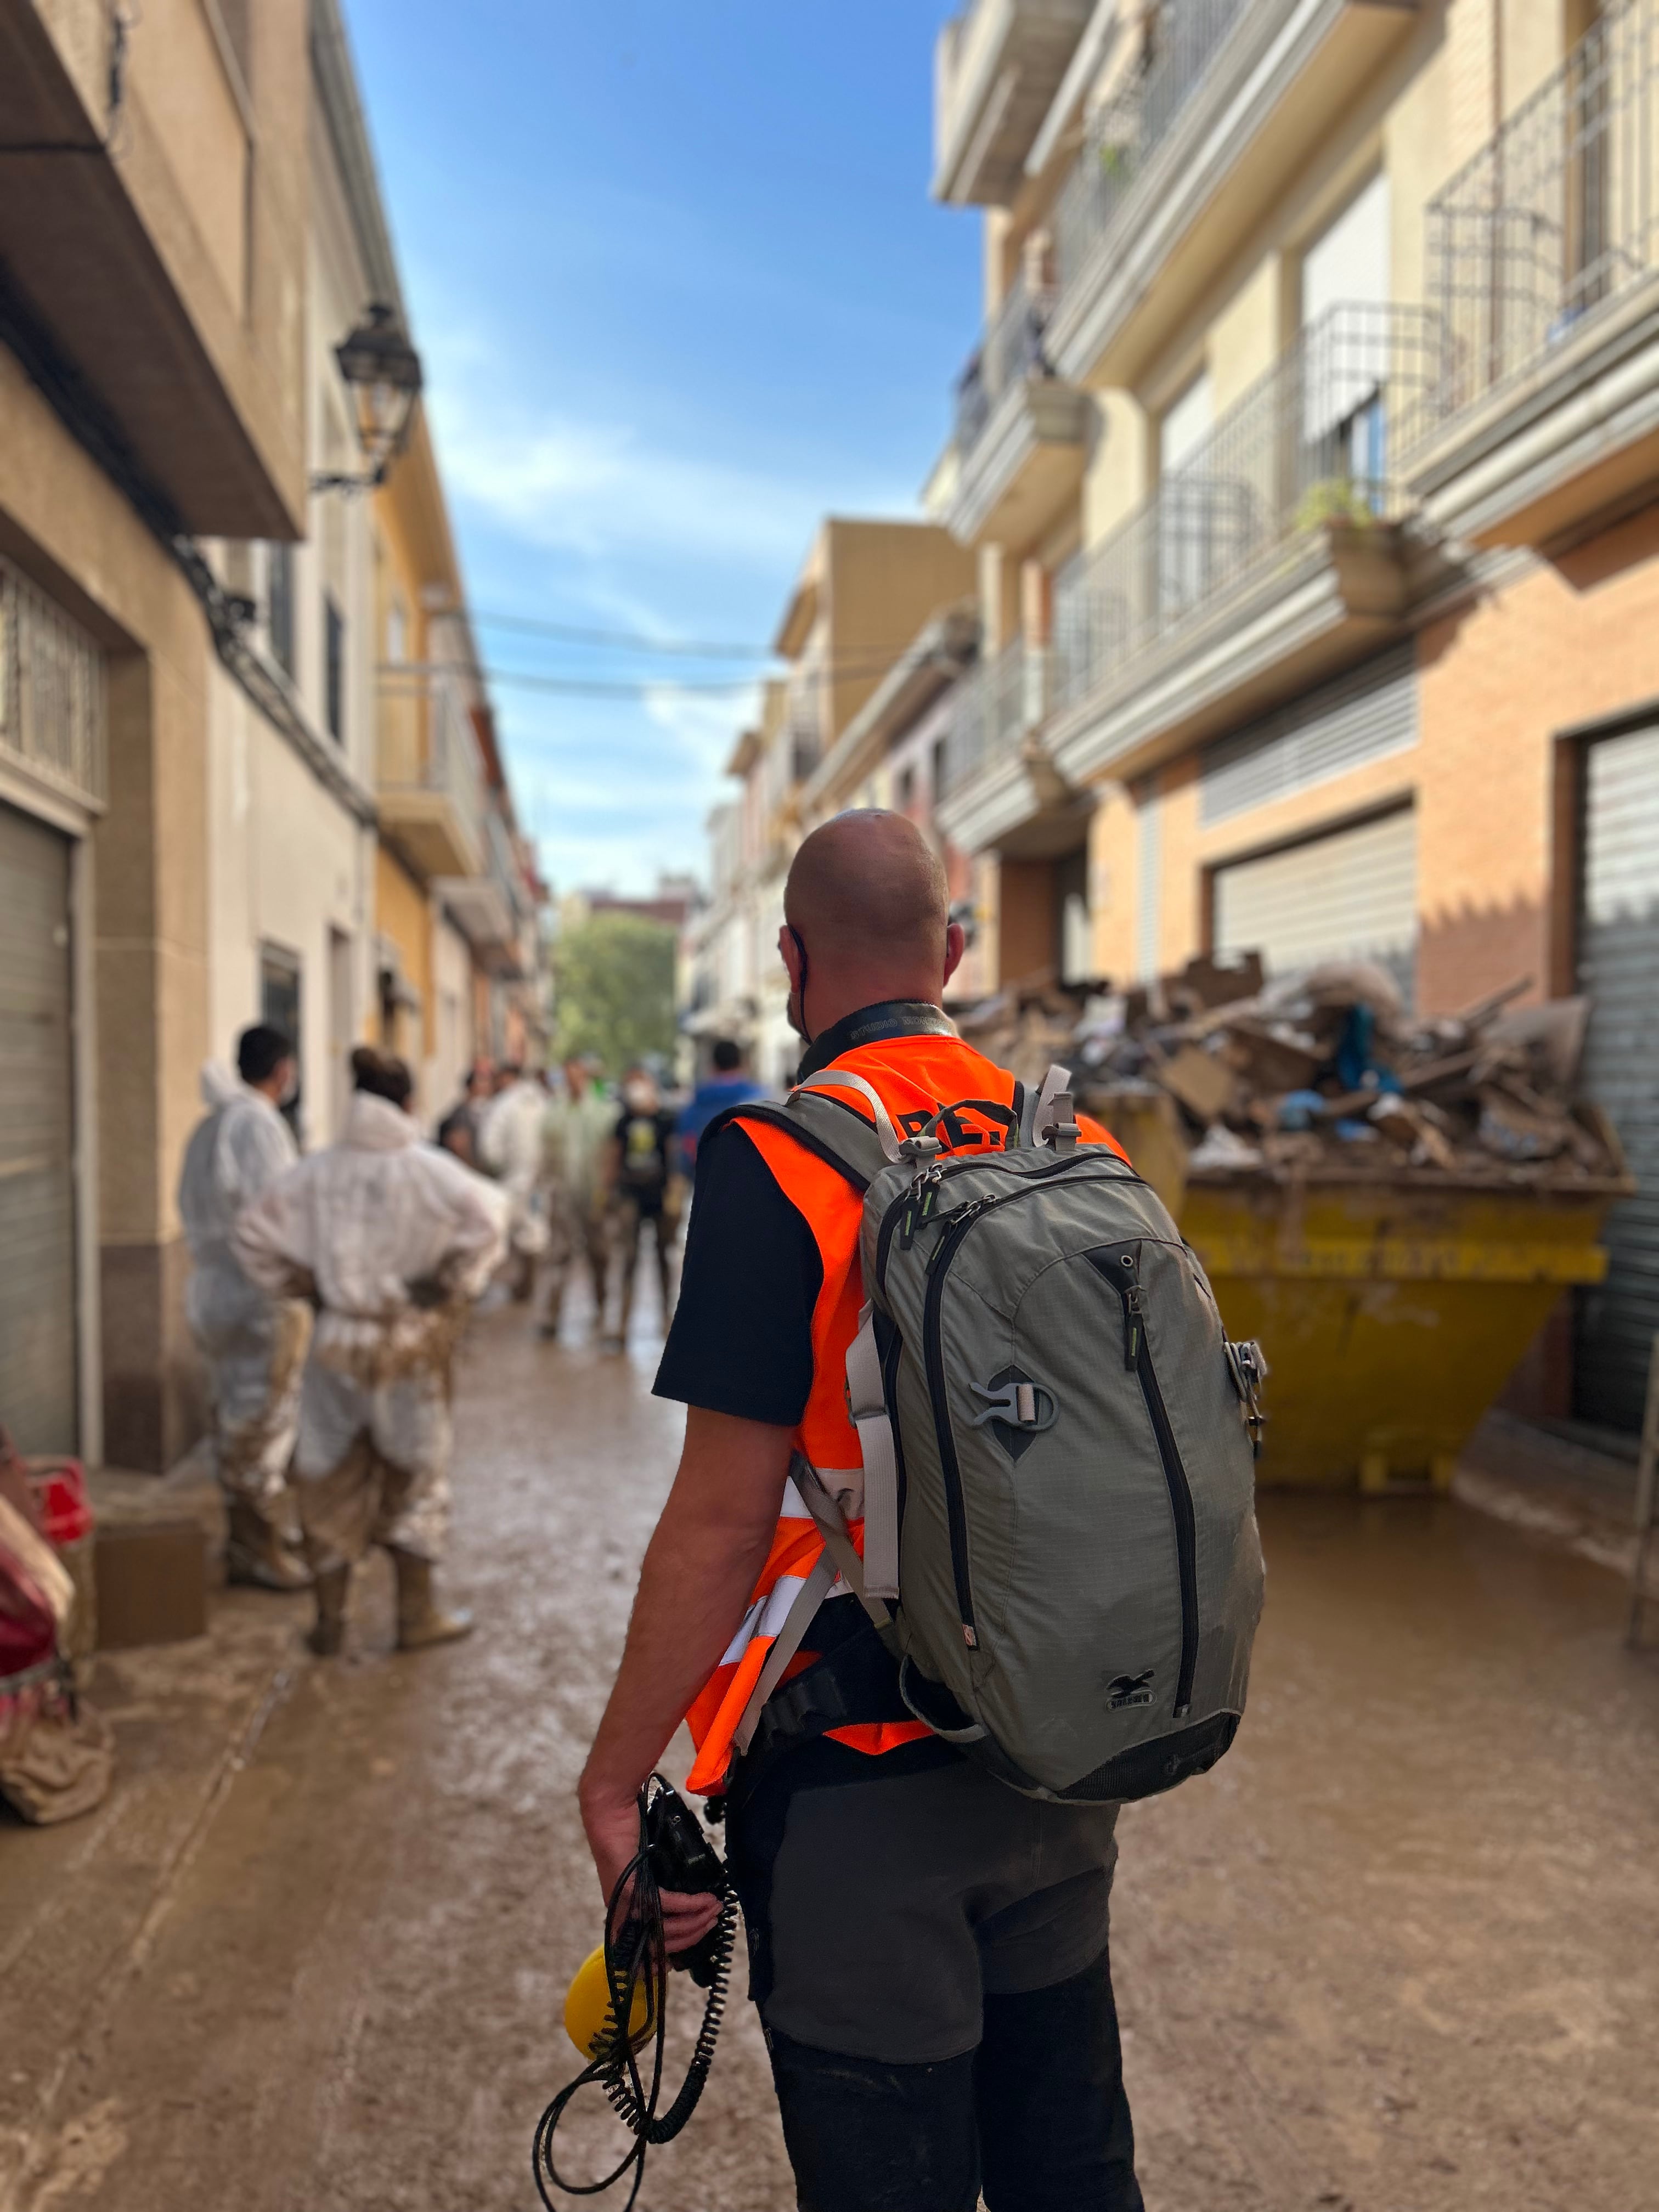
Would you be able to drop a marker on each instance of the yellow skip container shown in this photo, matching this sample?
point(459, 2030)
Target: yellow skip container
point(1392, 1310)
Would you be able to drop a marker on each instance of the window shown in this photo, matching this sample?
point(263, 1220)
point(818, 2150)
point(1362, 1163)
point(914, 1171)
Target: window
point(52, 691)
point(936, 770)
point(907, 789)
point(279, 604)
point(334, 667)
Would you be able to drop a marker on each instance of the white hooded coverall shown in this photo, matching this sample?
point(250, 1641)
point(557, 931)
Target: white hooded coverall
point(510, 1145)
point(398, 1236)
point(253, 1341)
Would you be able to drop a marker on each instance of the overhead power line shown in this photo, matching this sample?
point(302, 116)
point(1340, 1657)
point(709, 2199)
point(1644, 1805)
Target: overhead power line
point(633, 641)
point(583, 687)
point(875, 658)
point(644, 687)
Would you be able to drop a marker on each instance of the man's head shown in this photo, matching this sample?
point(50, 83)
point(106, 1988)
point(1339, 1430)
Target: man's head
point(508, 1074)
point(726, 1056)
point(639, 1090)
point(577, 1076)
point(480, 1079)
point(264, 1061)
point(866, 917)
point(383, 1075)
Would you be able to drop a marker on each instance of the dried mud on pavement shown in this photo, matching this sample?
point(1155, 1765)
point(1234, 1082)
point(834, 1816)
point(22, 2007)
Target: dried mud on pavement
point(1400, 1953)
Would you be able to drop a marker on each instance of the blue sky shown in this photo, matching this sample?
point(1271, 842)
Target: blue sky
point(680, 290)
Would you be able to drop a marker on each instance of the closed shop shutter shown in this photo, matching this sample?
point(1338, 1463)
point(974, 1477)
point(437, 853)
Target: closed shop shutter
point(36, 1107)
point(1362, 716)
point(1350, 895)
point(1618, 967)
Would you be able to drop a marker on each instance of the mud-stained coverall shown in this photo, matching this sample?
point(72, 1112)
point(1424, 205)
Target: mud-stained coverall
point(398, 1236)
point(253, 1339)
point(575, 1134)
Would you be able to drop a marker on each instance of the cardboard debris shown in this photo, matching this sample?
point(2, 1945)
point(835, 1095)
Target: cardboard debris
point(1202, 1081)
point(1322, 1071)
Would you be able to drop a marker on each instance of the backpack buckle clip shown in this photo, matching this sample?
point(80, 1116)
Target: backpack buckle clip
point(1020, 1405)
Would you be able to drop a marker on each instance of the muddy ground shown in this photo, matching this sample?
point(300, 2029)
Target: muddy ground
point(1400, 1953)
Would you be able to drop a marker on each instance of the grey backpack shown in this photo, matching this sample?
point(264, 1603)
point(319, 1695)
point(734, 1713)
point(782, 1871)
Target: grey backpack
point(1059, 1443)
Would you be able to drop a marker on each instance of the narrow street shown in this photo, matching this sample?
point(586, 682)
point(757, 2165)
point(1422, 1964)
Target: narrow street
point(1400, 1954)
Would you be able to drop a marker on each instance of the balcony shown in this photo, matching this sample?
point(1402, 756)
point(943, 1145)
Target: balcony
point(492, 907)
point(126, 271)
point(1271, 555)
point(999, 787)
point(1543, 261)
point(1225, 107)
point(997, 67)
point(1020, 431)
point(429, 774)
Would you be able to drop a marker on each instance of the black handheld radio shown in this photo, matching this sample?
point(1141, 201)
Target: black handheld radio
point(674, 1855)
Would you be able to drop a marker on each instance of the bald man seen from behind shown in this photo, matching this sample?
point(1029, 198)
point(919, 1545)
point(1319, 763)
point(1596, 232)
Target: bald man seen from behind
point(928, 1948)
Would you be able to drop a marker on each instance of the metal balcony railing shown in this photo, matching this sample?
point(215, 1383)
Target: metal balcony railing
point(1010, 351)
point(426, 741)
point(992, 708)
point(53, 714)
point(505, 867)
point(1313, 441)
point(1556, 215)
point(1182, 40)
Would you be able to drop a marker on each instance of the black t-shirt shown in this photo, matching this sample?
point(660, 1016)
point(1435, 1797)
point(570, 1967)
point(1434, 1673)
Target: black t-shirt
point(645, 1138)
point(741, 1339)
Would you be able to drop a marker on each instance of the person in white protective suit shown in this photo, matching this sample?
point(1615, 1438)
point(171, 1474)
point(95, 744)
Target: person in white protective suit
point(393, 1237)
point(510, 1145)
point(254, 1345)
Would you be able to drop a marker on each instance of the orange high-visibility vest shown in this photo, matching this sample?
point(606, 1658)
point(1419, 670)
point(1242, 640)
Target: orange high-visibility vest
point(913, 1076)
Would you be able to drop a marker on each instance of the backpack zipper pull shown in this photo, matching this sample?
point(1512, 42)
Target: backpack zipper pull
point(955, 1219)
point(919, 1210)
point(1134, 1308)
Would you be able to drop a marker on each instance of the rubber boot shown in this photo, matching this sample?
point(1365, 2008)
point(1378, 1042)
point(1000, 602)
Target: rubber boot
point(328, 1633)
point(420, 1619)
point(255, 1552)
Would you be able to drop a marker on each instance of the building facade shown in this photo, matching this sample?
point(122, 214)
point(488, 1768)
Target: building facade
point(1310, 455)
point(152, 336)
point(880, 620)
point(192, 740)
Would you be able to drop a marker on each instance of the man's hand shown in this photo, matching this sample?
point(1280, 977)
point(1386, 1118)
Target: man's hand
point(613, 1836)
point(699, 1569)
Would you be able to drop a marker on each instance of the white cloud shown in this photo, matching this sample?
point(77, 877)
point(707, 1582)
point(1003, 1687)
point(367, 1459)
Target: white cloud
point(601, 488)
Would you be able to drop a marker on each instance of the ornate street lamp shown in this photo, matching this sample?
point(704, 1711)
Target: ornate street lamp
point(382, 371)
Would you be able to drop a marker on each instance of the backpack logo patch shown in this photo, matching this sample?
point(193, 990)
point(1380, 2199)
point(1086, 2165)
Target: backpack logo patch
point(1130, 1690)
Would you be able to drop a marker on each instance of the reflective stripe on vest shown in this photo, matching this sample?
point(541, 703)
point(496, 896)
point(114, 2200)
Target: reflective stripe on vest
point(913, 1076)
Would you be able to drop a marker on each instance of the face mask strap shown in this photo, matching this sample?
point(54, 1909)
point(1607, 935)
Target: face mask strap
point(802, 1029)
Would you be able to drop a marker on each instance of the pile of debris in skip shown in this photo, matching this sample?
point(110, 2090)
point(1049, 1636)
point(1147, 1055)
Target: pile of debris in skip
point(1323, 1071)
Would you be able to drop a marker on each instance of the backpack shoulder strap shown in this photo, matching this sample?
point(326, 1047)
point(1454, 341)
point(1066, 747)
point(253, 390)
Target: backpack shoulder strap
point(838, 1135)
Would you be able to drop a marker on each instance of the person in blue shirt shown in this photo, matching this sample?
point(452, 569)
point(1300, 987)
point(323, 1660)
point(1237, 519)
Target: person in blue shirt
point(730, 1084)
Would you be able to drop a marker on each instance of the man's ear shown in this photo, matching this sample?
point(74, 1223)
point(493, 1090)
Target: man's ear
point(955, 944)
point(789, 953)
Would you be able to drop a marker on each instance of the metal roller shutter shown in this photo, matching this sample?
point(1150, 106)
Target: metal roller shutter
point(1618, 967)
point(36, 1104)
point(1350, 895)
point(1363, 716)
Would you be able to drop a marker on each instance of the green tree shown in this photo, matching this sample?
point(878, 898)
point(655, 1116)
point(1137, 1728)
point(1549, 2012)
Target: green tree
point(614, 981)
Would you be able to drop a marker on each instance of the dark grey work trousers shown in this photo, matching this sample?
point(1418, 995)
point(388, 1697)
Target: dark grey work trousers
point(929, 1953)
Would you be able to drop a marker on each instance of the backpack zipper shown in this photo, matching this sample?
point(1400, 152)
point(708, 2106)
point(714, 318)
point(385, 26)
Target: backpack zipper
point(1137, 1354)
point(957, 1227)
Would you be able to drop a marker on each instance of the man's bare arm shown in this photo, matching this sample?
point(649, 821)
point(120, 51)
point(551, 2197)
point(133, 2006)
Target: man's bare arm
point(701, 1565)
